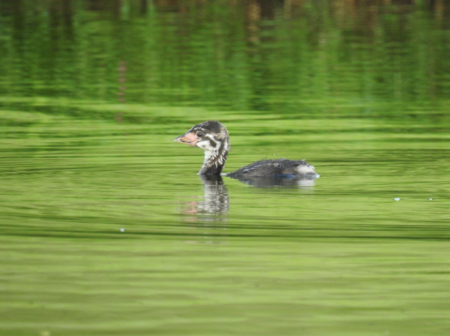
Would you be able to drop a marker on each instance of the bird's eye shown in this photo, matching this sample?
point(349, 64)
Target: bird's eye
point(200, 133)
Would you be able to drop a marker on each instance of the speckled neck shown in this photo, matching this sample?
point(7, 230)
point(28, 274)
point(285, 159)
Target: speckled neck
point(214, 161)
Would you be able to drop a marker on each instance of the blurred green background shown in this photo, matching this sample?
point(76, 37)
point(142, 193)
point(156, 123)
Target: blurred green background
point(105, 228)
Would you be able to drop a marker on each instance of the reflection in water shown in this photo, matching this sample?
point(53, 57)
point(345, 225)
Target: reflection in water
point(259, 56)
point(215, 202)
point(216, 198)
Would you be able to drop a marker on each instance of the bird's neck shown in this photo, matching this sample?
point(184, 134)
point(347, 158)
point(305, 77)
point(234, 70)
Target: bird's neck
point(214, 161)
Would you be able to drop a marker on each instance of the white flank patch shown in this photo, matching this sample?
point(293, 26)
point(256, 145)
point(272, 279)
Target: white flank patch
point(304, 169)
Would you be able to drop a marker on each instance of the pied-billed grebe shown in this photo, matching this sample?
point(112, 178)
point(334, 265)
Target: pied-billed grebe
point(213, 138)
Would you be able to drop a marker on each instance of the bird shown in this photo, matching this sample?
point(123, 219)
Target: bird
point(213, 137)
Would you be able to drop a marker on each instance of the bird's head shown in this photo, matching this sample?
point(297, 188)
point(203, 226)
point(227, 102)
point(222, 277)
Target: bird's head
point(210, 136)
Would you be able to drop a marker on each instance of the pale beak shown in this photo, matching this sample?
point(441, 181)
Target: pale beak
point(190, 138)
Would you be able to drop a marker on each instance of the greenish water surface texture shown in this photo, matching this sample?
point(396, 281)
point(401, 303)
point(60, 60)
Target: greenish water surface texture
point(105, 226)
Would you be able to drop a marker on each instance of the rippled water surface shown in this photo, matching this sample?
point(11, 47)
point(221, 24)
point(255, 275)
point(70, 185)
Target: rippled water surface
point(106, 228)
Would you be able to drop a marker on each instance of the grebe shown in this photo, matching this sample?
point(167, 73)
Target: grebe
point(213, 138)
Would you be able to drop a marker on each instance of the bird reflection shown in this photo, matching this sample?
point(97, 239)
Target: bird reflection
point(281, 181)
point(215, 202)
point(216, 198)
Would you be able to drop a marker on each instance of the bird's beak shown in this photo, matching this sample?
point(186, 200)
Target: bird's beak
point(190, 138)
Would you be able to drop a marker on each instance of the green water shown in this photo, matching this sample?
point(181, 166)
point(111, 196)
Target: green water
point(106, 228)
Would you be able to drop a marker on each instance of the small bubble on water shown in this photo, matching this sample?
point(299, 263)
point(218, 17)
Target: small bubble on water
point(122, 230)
point(397, 199)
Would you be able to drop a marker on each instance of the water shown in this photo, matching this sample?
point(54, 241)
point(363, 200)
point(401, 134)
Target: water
point(107, 229)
